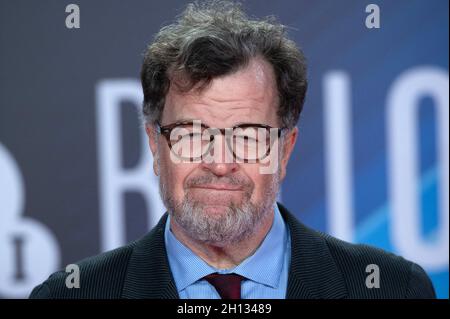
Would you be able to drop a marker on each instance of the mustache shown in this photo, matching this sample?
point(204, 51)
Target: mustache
point(241, 181)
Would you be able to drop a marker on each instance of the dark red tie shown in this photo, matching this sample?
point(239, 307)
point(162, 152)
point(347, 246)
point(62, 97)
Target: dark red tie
point(228, 285)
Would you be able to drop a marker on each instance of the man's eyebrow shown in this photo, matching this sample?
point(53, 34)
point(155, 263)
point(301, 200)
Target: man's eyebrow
point(189, 119)
point(246, 123)
point(185, 120)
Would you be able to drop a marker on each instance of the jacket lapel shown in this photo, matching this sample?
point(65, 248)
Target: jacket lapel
point(148, 274)
point(313, 274)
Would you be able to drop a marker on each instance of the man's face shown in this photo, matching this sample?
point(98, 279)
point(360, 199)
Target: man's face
point(221, 202)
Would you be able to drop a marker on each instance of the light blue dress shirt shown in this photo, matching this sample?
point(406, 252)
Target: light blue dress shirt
point(266, 270)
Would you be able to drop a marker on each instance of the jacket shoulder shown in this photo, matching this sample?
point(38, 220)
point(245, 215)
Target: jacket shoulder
point(371, 272)
point(365, 271)
point(100, 276)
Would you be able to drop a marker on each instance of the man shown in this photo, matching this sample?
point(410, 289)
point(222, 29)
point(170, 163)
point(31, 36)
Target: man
point(222, 97)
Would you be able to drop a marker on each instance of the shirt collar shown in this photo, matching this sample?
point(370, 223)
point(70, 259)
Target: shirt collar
point(263, 266)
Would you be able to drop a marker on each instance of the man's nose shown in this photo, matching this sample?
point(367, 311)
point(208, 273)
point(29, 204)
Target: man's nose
point(221, 169)
point(221, 160)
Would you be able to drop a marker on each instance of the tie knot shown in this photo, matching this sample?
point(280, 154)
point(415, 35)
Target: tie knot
point(227, 285)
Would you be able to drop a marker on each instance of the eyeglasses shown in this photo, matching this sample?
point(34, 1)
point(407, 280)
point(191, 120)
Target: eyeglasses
point(193, 140)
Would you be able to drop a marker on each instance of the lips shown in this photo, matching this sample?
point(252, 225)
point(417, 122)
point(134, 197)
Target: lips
point(219, 187)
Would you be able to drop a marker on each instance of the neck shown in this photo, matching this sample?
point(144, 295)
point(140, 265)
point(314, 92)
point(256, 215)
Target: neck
point(224, 257)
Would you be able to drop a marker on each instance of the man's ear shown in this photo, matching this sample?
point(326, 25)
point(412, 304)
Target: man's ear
point(152, 140)
point(288, 146)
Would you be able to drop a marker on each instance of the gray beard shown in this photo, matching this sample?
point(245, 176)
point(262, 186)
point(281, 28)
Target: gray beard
point(234, 225)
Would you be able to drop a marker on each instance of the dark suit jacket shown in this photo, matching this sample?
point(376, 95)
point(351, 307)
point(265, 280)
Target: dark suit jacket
point(321, 267)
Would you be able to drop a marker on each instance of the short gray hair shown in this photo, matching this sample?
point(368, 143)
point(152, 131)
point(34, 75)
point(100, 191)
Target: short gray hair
point(215, 38)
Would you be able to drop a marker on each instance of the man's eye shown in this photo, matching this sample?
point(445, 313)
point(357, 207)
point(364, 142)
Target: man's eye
point(245, 138)
point(194, 135)
point(189, 136)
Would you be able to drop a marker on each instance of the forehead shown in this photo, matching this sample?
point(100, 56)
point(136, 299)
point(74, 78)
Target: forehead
point(249, 95)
